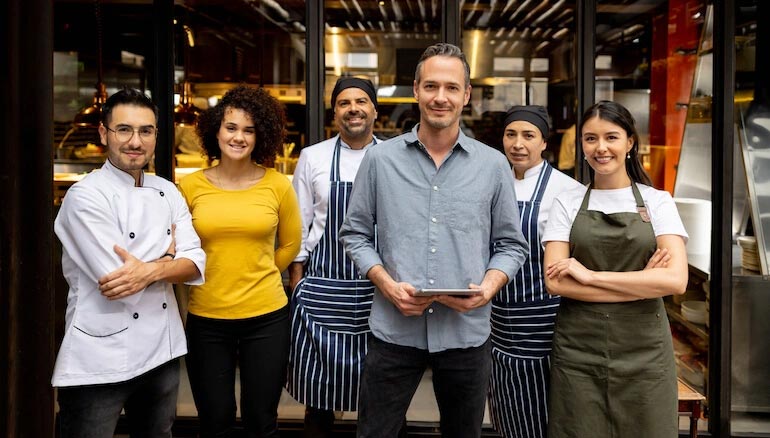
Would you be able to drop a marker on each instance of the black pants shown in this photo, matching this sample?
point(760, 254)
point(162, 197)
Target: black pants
point(393, 372)
point(259, 347)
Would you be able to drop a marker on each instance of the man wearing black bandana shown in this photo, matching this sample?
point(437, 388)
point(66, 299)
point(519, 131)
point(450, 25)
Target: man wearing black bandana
point(337, 328)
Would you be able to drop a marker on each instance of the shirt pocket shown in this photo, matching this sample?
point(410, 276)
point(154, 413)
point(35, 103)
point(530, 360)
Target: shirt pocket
point(467, 212)
point(99, 343)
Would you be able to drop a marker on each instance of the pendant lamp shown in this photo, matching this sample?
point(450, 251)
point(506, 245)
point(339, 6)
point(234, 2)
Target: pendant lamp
point(186, 113)
point(90, 116)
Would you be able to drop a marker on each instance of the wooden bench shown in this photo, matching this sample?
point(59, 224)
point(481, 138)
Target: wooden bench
point(690, 403)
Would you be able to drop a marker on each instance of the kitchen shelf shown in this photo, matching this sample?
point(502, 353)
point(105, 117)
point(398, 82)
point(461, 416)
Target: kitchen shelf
point(695, 378)
point(699, 329)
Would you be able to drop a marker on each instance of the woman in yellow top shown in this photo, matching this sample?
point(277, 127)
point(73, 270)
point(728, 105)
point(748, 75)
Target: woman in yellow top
point(240, 316)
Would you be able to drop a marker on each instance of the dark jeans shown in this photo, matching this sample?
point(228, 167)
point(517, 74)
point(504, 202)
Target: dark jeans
point(259, 347)
point(319, 423)
point(92, 411)
point(392, 373)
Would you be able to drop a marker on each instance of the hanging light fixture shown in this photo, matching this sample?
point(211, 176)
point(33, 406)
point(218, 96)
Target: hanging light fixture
point(90, 116)
point(186, 113)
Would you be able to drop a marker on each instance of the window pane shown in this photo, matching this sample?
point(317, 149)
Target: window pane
point(220, 44)
point(380, 41)
point(521, 53)
point(750, 329)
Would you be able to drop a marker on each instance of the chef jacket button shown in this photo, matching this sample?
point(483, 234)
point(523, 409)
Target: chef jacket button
point(430, 310)
point(165, 305)
point(434, 220)
point(433, 250)
point(168, 231)
point(136, 316)
point(131, 235)
point(431, 281)
point(162, 194)
point(435, 188)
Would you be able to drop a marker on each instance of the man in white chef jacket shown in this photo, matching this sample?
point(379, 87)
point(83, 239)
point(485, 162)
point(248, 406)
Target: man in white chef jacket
point(126, 236)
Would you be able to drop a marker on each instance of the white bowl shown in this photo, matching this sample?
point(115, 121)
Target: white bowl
point(695, 311)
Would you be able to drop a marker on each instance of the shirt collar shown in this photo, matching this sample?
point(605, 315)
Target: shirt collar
point(120, 175)
point(463, 141)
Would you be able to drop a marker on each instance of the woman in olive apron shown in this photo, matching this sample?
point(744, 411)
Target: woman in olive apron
point(523, 313)
point(612, 251)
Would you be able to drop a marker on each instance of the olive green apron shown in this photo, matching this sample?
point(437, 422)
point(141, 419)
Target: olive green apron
point(613, 372)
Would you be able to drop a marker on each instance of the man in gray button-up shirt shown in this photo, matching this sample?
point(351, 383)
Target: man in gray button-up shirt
point(445, 211)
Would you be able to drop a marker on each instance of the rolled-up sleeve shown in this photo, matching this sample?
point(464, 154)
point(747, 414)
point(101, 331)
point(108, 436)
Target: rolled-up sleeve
point(508, 246)
point(358, 230)
point(303, 186)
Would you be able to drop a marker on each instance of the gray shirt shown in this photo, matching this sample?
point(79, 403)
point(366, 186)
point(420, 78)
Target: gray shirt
point(437, 228)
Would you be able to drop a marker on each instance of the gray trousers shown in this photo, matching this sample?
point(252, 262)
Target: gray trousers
point(92, 411)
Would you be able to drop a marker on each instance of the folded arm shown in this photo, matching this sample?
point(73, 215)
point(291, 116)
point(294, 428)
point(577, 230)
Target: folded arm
point(135, 275)
point(665, 274)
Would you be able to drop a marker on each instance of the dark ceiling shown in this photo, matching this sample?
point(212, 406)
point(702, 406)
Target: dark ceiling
point(366, 22)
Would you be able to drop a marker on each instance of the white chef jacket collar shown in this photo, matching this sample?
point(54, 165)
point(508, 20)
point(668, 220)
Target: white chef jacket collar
point(345, 145)
point(534, 171)
point(121, 175)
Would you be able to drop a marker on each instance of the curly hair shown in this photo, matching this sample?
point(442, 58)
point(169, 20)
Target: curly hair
point(264, 110)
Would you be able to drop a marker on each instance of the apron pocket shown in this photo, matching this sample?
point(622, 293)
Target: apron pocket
point(636, 346)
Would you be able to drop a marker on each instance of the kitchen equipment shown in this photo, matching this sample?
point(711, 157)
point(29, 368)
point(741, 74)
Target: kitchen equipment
point(696, 217)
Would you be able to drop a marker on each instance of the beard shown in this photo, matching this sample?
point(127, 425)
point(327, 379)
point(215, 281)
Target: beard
point(357, 131)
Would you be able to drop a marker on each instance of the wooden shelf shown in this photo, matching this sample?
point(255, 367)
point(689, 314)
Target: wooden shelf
point(699, 329)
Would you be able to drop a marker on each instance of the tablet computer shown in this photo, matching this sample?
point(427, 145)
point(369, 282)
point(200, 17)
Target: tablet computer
point(427, 292)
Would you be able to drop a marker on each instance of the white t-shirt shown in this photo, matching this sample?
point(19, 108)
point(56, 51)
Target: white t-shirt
point(311, 182)
point(663, 213)
point(557, 184)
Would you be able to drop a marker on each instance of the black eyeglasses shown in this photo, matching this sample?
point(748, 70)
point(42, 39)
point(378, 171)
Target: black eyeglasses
point(126, 133)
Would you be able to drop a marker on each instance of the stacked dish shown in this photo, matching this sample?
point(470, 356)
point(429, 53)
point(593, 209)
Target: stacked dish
point(695, 311)
point(750, 256)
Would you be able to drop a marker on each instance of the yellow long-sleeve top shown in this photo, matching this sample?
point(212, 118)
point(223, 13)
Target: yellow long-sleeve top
point(238, 230)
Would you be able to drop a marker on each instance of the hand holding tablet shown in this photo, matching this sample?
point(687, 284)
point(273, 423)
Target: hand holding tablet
point(462, 292)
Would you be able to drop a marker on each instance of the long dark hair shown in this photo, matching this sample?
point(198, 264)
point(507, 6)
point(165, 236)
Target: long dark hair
point(617, 114)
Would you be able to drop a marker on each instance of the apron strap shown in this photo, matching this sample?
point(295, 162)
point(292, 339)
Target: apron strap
point(542, 182)
point(334, 174)
point(584, 205)
point(640, 207)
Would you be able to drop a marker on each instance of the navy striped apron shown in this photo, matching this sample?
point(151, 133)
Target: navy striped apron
point(523, 317)
point(330, 316)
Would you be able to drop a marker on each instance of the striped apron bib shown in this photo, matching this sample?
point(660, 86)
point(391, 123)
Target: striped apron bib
point(330, 316)
point(522, 328)
point(613, 373)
